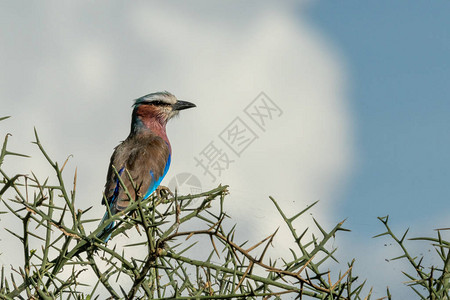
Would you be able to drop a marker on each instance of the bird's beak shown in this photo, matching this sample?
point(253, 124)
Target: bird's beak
point(180, 105)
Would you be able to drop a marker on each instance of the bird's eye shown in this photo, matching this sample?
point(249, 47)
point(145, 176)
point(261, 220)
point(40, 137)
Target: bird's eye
point(157, 103)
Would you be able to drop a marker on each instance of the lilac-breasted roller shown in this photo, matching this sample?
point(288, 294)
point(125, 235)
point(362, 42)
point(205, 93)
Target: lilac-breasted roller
point(145, 154)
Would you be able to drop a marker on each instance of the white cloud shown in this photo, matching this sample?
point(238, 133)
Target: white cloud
point(219, 58)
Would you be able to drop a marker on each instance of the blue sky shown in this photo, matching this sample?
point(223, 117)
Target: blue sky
point(397, 60)
point(397, 56)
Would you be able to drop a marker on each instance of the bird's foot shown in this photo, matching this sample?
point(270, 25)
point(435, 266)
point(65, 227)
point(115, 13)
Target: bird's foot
point(163, 192)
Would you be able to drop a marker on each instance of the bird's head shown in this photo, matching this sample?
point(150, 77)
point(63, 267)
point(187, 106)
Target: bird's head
point(157, 108)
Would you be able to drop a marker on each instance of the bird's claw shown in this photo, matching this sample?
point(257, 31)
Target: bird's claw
point(163, 192)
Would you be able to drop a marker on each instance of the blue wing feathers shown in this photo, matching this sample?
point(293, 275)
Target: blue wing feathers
point(147, 161)
point(156, 182)
point(116, 189)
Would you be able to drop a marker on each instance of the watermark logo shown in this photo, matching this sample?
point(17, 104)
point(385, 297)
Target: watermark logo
point(215, 159)
point(262, 110)
point(238, 136)
point(185, 183)
point(217, 156)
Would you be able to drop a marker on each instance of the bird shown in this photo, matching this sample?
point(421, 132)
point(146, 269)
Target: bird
point(145, 155)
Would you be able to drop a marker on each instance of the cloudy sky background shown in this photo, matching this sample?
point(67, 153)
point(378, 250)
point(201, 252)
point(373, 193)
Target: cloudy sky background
point(363, 89)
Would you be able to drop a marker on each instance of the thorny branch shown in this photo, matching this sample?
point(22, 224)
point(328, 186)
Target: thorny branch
point(159, 264)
